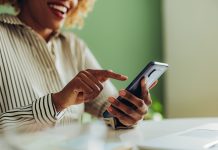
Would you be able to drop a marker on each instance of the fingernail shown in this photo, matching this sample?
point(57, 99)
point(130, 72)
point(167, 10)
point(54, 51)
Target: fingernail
point(109, 108)
point(110, 99)
point(122, 93)
point(110, 70)
point(124, 76)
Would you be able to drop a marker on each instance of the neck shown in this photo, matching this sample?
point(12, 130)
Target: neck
point(25, 17)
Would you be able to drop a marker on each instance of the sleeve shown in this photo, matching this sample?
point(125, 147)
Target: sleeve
point(39, 115)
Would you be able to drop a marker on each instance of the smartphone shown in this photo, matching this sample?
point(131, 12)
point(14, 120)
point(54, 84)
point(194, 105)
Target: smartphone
point(152, 71)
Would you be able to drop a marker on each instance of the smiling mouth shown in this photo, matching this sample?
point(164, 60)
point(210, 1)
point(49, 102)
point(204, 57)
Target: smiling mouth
point(59, 10)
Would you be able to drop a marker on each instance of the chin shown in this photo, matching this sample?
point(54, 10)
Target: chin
point(56, 26)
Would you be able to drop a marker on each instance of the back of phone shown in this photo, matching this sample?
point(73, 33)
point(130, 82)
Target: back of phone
point(151, 72)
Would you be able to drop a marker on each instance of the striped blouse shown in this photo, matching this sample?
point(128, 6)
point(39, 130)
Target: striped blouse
point(31, 69)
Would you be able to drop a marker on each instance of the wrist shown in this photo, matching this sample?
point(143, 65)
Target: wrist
point(56, 98)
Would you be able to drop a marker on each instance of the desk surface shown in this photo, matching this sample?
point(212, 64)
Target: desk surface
point(146, 130)
point(152, 129)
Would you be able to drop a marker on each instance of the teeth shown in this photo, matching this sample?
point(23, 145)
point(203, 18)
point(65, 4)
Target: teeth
point(59, 8)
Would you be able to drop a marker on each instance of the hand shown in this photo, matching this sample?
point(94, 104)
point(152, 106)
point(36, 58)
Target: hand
point(127, 115)
point(84, 87)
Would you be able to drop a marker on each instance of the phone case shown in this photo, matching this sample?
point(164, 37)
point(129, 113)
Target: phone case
point(151, 72)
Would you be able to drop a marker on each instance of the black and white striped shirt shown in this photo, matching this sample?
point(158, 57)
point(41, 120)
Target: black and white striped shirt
point(31, 69)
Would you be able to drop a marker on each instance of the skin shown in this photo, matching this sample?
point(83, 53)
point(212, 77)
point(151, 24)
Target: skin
point(88, 83)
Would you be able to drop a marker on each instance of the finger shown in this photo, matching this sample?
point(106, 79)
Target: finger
point(153, 85)
point(81, 85)
point(125, 109)
point(126, 120)
point(103, 75)
point(85, 92)
point(98, 83)
point(113, 75)
point(139, 103)
point(145, 92)
point(147, 99)
point(89, 82)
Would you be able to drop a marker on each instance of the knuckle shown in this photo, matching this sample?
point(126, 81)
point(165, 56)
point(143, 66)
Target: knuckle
point(134, 122)
point(121, 117)
point(82, 72)
point(116, 102)
point(78, 78)
point(113, 112)
point(136, 117)
point(129, 96)
point(140, 103)
point(128, 111)
point(85, 74)
point(149, 102)
point(142, 111)
point(145, 111)
point(139, 117)
point(88, 70)
point(88, 74)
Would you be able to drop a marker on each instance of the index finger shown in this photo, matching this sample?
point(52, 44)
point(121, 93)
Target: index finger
point(113, 75)
point(103, 75)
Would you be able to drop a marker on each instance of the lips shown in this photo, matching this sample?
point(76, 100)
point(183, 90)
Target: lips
point(59, 9)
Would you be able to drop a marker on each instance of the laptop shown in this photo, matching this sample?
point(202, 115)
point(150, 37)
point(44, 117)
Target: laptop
point(198, 138)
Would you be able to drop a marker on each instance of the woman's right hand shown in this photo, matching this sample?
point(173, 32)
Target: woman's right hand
point(86, 86)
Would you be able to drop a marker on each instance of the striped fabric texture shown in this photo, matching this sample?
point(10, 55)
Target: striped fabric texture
point(32, 69)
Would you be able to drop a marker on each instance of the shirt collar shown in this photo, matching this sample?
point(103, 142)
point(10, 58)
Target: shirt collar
point(14, 20)
point(10, 19)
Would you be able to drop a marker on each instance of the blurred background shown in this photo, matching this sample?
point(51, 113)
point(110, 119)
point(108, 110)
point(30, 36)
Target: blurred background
point(125, 35)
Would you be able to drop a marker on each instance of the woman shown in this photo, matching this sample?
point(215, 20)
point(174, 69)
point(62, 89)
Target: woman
point(49, 77)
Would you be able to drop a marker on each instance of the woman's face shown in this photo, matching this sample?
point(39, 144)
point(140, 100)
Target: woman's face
point(49, 13)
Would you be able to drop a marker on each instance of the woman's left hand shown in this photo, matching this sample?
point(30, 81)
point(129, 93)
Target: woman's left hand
point(129, 116)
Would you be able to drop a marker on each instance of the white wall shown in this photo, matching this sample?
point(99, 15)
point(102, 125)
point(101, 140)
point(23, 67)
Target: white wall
point(191, 49)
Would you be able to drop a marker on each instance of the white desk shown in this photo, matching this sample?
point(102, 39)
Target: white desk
point(147, 130)
point(115, 138)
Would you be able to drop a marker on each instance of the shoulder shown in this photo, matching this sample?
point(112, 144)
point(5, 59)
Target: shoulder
point(9, 23)
point(3, 22)
point(9, 19)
